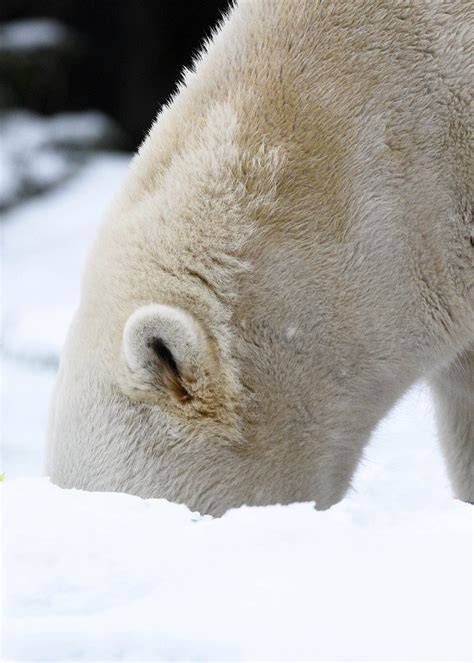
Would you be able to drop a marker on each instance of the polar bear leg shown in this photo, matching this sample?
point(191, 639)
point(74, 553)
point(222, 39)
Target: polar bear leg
point(453, 389)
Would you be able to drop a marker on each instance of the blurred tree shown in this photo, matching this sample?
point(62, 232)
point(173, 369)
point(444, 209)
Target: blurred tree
point(128, 55)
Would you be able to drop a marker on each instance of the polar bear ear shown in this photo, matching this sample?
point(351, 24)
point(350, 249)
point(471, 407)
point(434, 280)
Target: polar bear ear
point(165, 349)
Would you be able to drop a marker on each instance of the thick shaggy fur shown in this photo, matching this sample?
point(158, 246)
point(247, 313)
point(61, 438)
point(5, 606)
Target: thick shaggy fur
point(291, 251)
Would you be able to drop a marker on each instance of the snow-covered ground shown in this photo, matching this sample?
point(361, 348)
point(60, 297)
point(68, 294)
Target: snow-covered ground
point(385, 575)
point(32, 35)
point(39, 152)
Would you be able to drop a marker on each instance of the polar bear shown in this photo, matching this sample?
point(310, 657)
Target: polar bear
point(292, 249)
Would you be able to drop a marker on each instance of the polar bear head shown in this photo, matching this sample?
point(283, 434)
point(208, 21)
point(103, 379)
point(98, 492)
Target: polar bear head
point(161, 416)
point(231, 346)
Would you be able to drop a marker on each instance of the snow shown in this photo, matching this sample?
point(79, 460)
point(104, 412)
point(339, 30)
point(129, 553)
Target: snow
point(38, 152)
point(113, 577)
point(33, 34)
point(385, 575)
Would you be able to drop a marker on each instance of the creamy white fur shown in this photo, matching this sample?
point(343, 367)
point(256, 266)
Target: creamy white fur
point(306, 200)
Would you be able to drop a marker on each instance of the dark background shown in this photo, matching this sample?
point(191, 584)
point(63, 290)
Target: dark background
point(122, 57)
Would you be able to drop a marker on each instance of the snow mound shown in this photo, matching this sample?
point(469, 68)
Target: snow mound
point(99, 576)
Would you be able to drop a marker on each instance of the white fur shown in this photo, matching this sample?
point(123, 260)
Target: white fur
point(314, 173)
